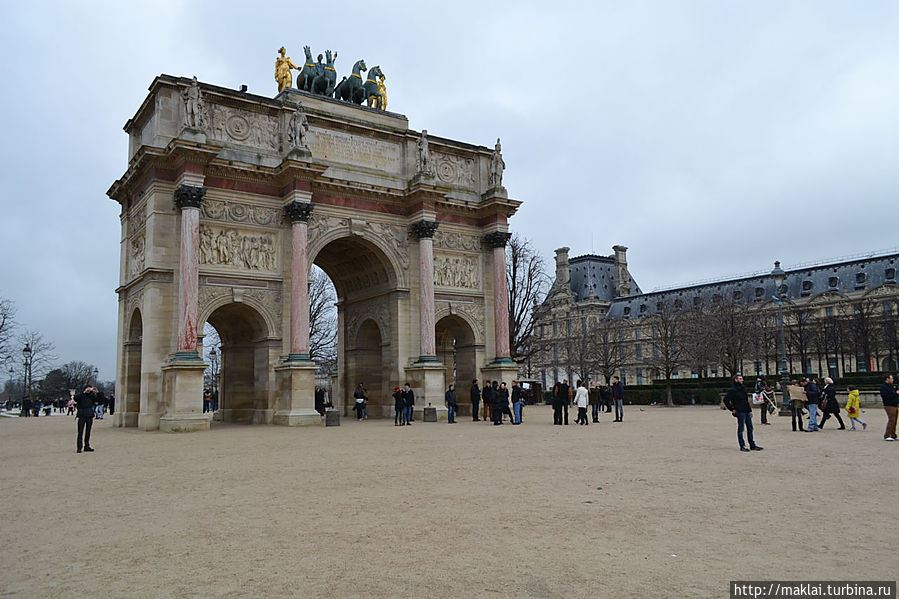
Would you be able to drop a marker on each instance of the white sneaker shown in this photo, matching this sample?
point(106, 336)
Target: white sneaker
point(889, 439)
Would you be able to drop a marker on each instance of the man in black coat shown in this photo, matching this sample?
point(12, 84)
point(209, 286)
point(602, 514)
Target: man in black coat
point(890, 406)
point(737, 401)
point(557, 403)
point(409, 400)
point(84, 405)
point(488, 401)
point(564, 399)
point(451, 404)
point(475, 400)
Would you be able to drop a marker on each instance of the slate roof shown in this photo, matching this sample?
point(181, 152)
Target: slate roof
point(840, 277)
point(596, 272)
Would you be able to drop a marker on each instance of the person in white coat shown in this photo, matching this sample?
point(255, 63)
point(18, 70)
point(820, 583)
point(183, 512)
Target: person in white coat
point(582, 399)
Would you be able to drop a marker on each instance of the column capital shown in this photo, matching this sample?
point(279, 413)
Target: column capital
point(424, 229)
point(189, 196)
point(497, 239)
point(298, 211)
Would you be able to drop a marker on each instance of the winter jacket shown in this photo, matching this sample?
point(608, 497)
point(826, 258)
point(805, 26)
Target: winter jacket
point(581, 397)
point(888, 395)
point(853, 404)
point(618, 390)
point(450, 398)
point(516, 394)
point(409, 397)
point(398, 401)
point(84, 404)
point(738, 400)
point(812, 393)
point(830, 394)
point(595, 396)
point(475, 394)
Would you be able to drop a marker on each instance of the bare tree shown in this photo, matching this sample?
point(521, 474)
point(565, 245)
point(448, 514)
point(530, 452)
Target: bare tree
point(7, 329)
point(729, 328)
point(42, 354)
point(610, 347)
point(527, 280)
point(77, 375)
point(799, 323)
point(322, 320)
point(668, 326)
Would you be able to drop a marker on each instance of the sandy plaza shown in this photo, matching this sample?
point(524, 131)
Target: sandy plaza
point(661, 505)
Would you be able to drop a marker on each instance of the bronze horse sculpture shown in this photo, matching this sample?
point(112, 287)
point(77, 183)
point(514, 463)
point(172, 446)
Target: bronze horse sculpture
point(318, 78)
point(372, 93)
point(351, 89)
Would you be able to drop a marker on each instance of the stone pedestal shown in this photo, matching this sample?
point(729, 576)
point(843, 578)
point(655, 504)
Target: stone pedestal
point(296, 391)
point(182, 392)
point(504, 372)
point(124, 419)
point(427, 383)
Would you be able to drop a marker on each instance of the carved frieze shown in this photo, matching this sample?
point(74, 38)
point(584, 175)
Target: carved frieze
point(244, 127)
point(319, 224)
point(449, 240)
point(345, 148)
point(473, 313)
point(455, 171)
point(457, 270)
point(137, 218)
point(136, 259)
point(240, 249)
point(397, 235)
point(268, 299)
point(375, 309)
point(222, 210)
point(133, 302)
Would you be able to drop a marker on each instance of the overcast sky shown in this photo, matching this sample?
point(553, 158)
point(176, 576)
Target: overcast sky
point(711, 138)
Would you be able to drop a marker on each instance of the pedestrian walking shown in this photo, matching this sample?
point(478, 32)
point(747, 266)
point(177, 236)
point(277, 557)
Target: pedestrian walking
point(890, 406)
point(581, 398)
point(85, 402)
point(795, 393)
point(449, 399)
point(475, 400)
point(737, 401)
point(557, 403)
point(829, 404)
point(565, 395)
point(854, 408)
point(618, 398)
point(595, 401)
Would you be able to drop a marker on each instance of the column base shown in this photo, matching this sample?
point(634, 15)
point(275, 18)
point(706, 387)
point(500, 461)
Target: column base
point(182, 392)
point(427, 383)
point(124, 419)
point(296, 390)
point(505, 372)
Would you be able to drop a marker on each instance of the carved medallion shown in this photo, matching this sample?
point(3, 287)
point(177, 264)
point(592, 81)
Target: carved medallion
point(238, 127)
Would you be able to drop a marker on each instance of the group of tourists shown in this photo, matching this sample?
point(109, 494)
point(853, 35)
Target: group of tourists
point(492, 402)
point(599, 398)
point(403, 405)
point(807, 394)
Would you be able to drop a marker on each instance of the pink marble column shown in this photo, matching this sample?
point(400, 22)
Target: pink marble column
point(498, 242)
point(299, 213)
point(188, 199)
point(425, 230)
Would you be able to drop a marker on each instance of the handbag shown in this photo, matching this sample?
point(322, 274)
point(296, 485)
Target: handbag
point(758, 399)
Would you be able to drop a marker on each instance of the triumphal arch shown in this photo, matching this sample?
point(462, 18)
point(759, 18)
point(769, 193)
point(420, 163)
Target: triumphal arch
point(227, 201)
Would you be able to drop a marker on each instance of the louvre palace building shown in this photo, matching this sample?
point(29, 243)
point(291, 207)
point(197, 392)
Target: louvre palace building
point(827, 319)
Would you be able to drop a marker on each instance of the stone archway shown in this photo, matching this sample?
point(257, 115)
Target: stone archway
point(130, 397)
point(399, 222)
point(248, 353)
point(457, 351)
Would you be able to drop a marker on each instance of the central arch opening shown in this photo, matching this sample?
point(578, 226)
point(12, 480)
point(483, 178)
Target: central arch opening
point(456, 350)
point(364, 279)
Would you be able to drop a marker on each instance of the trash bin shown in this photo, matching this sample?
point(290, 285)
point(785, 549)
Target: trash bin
point(430, 414)
point(332, 417)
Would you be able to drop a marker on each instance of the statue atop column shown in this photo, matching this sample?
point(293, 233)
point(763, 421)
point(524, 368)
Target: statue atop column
point(283, 64)
point(495, 177)
point(194, 107)
point(298, 130)
point(424, 156)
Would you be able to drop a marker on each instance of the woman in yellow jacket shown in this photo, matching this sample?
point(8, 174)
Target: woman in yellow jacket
point(853, 407)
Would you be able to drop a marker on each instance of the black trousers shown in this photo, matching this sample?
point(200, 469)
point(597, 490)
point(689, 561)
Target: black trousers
point(582, 416)
point(474, 410)
point(828, 415)
point(498, 414)
point(84, 429)
point(565, 410)
point(557, 413)
point(796, 414)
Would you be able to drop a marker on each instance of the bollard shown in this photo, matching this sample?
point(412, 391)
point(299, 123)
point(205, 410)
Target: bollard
point(430, 414)
point(332, 417)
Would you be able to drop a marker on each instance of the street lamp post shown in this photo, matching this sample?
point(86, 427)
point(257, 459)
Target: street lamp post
point(26, 392)
point(779, 276)
point(213, 364)
point(96, 375)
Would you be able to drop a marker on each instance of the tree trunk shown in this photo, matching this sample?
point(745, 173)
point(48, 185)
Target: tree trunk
point(668, 391)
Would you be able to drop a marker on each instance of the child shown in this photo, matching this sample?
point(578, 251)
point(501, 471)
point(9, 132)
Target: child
point(853, 407)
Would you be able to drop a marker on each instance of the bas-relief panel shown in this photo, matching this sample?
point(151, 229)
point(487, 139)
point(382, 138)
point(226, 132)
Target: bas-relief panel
point(240, 249)
point(136, 259)
point(244, 127)
point(450, 240)
point(457, 270)
point(354, 150)
point(455, 171)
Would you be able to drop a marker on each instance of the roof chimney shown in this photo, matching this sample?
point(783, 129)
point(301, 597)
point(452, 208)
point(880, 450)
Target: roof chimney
point(563, 271)
point(622, 278)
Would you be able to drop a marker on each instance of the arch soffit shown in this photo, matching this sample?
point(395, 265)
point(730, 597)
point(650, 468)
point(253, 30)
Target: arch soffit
point(364, 321)
point(477, 332)
point(216, 303)
point(399, 264)
point(135, 313)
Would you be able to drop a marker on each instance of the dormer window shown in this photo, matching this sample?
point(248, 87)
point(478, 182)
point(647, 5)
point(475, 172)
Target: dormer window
point(833, 282)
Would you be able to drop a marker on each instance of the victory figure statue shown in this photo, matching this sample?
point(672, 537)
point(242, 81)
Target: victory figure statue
point(298, 129)
point(194, 107)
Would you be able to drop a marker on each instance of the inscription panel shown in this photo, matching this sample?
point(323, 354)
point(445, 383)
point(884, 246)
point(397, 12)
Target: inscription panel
point(357, 151)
